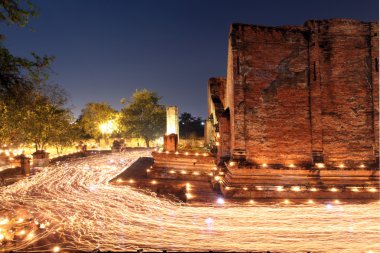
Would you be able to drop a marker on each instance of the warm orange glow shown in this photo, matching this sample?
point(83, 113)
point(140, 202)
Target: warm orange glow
point(320, 165)
point(296, 188)
point(264, 165)
point(333, 189)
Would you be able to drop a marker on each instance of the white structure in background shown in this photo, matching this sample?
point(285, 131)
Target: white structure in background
point(172, 124)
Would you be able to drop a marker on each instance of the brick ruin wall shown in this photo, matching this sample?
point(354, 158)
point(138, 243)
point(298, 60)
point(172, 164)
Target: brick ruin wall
point(298, 95)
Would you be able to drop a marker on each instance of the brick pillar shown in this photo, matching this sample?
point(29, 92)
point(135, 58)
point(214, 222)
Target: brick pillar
point(170, 142)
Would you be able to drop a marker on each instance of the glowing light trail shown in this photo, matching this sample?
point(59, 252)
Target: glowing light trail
point(80, 210)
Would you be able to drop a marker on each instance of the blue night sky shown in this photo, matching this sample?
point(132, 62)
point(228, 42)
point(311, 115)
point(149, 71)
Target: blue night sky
point(105, 50)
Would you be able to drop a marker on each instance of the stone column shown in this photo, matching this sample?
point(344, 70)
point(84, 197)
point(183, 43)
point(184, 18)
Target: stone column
point(172, 126)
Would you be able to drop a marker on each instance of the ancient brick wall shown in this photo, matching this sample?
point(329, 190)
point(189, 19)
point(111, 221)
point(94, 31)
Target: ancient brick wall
point(270, 94)
point(299, 95)
point(342, 89)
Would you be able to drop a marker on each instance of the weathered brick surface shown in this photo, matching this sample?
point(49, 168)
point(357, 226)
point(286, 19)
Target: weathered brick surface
point(302, 94)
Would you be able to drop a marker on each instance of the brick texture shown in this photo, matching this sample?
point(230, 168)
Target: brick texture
point(302, 94)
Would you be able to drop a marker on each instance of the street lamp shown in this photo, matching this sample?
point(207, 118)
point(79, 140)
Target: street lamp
point(107, 128)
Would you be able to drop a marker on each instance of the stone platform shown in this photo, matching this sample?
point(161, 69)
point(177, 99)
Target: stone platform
point(182, 165)
point(256, 182)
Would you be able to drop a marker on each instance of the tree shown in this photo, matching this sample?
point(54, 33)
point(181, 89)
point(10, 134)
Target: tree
point(190, 126)
point(16, 12)
point(144, 117)
point(94, 115)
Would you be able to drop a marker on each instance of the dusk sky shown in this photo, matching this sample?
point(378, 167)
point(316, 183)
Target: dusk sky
point(105, 50)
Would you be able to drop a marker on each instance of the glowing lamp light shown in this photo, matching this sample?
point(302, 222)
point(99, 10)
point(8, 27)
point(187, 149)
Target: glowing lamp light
point(20, 220)
point(279, 188)
point(189, 196)
point(313, 189)
point(216, 178)
point(183, 172)
point(167, 152)
point(259, 188)
point(172, 172)
point(291, 165)
point(217, 143)
point(227, 188)
point(119, 180)
point(372, 190)
point(147, 170)
point(251, 201)
point(334, 189)
point(186, 153)
point(337, 201)
point(296, 188)
point(264, 165)
point(30, 236)
point(214, 168)
point(108, 127)
point(154, 182)
point(355, 189)
point(56, 249)
point(4, 221)
point(22, 232)
point(204, 154)
point(286, 201)
point(245, 188)
point(341, 166)
point(362, 166)
point(131, 181)
point(232, 163)
point(220, 201)
point(320, 165)
point(176, 153)
point(196, 173)
point(2, 237)
point(310, 201)
point(197, 154)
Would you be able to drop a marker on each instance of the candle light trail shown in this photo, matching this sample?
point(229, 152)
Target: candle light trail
point(72, 206)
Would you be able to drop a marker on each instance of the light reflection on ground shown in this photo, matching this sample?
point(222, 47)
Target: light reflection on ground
point(72, 206)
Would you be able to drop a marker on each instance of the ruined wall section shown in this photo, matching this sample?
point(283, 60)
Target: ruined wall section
point(341, 91)
point(271, 97)
point(374, 52)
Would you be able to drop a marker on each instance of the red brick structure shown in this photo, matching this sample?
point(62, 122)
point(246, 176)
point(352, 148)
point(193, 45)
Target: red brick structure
point(295, 96)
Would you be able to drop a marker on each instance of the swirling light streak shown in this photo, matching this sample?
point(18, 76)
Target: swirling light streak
point(81, 211)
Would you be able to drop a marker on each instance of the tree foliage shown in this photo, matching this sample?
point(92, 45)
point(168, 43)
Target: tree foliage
point(31, 109)
point(93, 115)
point(144, 117)
point(190, 126)
point(16, 11)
